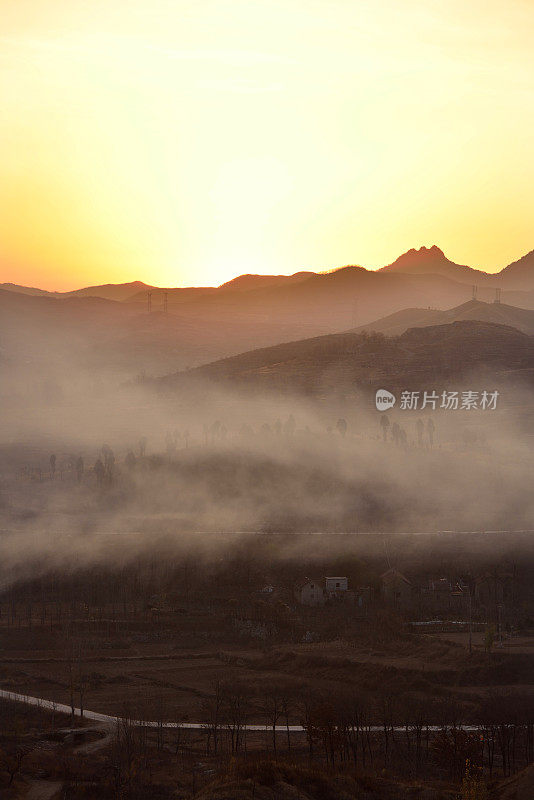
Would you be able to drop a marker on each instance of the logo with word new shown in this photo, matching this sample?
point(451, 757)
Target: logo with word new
point(384, 400)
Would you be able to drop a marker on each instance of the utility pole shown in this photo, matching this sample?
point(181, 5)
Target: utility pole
point(470, 622)
point(149, 301)
point(499, 622)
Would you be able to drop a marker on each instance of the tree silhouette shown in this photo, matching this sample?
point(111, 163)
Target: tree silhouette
point(109, 462)
point(79, 468)
point(420, 430)
point(384, 424)
point(341, 426)
point(430, 428)
point(99, 472)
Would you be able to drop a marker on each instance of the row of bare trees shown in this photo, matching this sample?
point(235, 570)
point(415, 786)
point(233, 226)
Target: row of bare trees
point(406, 732)
point(402, 733)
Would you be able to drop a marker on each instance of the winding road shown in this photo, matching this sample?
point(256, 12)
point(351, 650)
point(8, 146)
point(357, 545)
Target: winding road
point(106, 719)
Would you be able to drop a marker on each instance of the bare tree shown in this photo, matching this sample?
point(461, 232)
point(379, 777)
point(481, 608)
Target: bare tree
point(212, 709)
point(272, 708)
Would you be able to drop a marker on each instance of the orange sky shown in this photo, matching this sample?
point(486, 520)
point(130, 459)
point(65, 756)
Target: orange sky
point(183, 142)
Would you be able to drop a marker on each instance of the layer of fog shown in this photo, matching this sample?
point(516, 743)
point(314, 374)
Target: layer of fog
point(219, 461)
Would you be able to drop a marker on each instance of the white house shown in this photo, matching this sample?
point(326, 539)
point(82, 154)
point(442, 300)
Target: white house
point(335, 585)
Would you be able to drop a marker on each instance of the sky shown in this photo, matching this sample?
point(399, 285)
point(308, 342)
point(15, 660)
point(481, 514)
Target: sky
point(185, 142)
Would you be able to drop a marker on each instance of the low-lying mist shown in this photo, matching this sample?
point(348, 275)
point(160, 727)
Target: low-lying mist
point(202, 461)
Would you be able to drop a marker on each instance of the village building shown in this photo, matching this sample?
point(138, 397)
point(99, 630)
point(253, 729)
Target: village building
point(363, 596)
point(396, 588)
point(443, 596)
point(310, 593)
point(493, 592)
point(335, 585)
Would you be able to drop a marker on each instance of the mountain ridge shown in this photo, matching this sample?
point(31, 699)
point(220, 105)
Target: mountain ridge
point(518, 275)
point(395, 324)
point(433, 259)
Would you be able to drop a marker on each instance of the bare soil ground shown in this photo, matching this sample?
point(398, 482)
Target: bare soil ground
point(172, 684)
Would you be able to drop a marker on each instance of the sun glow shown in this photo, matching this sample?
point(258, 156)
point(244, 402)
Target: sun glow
point(183, 143)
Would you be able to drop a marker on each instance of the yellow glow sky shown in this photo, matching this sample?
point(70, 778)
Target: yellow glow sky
point(182, 142)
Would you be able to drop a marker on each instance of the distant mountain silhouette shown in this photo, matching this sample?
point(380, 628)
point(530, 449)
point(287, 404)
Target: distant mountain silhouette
point(342, 299)
point(243, 283)
point(422, 263)
point(432, 260)
point(107, 291)
point(30, 290)
point(519, 274)
point(111, 291)
point(249, 282)
point(109, 324)
point(330, 301)
point(122, 339)
point(174, 295)
point(500, 313)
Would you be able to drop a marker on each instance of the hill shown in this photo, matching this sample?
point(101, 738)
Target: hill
point(432, 260)
point(110, 291)
point(419, 358)
point(519, 274)
point(108, 326)
point(39, 333)
point(175, 296)
point(331, 300)
point(107, 291)
point(248, 282)
point(96, 333)
point(425, 261)
point(30, 290)
point(341, 299)
point(500, 313)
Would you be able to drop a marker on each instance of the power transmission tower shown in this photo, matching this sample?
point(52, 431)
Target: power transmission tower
point(149, 301)
point(497, 296)
point(475, 290)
